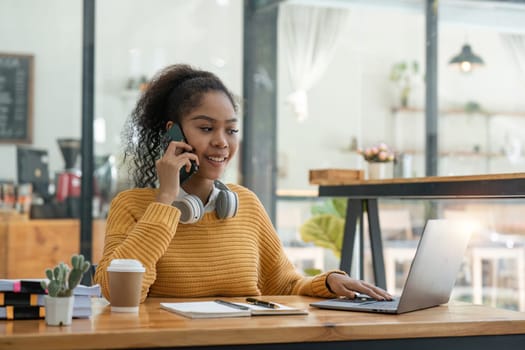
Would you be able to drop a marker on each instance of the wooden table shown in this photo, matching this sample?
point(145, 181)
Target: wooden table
point(363, 196)
point(455, 326)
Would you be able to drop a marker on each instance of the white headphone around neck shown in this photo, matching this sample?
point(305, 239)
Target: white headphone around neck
point(192, 209)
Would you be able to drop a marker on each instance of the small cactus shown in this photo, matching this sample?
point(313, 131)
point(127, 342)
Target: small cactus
point(62, 279)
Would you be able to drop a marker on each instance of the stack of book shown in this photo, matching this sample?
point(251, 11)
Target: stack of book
point(21, 300)
point(24, 299)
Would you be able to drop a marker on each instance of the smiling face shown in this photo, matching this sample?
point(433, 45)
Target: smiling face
point(212, 130)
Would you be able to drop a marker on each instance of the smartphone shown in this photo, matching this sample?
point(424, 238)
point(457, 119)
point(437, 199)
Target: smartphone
point(175, 134)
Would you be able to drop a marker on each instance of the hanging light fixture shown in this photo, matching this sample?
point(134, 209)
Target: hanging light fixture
point(466, 60)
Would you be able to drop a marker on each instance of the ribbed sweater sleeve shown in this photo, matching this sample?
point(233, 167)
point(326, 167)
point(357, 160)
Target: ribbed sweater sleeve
point(137, 228)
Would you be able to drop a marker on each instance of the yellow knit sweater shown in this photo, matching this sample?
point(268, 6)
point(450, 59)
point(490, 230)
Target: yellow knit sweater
point(233, 257)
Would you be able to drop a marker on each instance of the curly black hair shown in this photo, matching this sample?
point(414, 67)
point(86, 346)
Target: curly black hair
point(172, 93)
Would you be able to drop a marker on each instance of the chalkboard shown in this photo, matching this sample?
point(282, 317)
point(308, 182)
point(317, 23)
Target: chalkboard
point(16, 98)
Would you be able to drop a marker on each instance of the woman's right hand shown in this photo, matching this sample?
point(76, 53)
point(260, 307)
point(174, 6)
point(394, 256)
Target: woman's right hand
point(177, 155)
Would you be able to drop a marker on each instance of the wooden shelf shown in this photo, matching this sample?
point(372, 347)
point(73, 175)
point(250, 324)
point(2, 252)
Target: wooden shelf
point(297, 193)
point(455, 111)
point(459, 154)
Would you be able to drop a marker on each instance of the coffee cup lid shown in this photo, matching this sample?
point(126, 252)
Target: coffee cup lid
point(126, 265)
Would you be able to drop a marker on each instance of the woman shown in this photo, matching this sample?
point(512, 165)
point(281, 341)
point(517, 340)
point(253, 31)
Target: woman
point(231, 248)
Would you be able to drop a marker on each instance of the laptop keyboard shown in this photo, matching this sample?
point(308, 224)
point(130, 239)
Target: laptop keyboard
point(391, 304)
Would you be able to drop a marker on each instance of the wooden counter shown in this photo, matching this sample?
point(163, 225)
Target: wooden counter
point(456, 326)
point(28, 247)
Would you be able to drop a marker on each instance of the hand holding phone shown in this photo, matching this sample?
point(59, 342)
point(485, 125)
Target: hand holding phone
point(175, 134)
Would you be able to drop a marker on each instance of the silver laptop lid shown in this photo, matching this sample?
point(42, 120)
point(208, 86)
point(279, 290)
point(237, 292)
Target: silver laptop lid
point(436, 264)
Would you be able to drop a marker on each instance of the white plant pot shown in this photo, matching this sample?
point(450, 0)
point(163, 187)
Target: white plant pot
point(59, 311)
point(380, 170)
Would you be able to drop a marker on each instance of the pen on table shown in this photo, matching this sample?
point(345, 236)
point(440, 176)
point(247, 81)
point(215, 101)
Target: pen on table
point(233, 305)
point(263, 303)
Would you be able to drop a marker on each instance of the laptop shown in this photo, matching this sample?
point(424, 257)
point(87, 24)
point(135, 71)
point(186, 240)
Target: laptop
point(431, 277)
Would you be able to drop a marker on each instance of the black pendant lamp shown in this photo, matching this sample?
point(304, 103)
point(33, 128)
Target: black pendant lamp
point(466, 60)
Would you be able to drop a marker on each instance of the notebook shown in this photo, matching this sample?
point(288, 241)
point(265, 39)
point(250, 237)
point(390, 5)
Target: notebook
point(219, 309)
point(431, 277)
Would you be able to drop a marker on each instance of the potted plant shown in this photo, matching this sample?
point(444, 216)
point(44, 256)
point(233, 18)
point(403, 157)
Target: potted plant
point(380, 160)
point(403, 74)
point(60, 283)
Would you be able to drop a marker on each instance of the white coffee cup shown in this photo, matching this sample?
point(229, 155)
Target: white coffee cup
point(125, 284)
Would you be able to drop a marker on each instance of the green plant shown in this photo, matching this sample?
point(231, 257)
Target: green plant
point(472, 107)
point(326, 226)
point(403, 74)
point(62, 279)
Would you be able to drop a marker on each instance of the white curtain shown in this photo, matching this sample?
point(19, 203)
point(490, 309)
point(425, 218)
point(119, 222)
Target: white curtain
point(310, 37)
point(515, 45)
